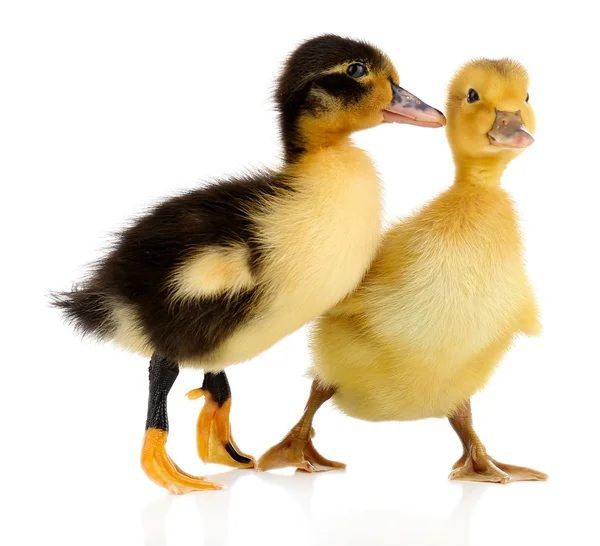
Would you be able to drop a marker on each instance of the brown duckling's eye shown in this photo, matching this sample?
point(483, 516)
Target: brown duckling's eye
point(472, 96)
point(357, 70)
point(527, 99)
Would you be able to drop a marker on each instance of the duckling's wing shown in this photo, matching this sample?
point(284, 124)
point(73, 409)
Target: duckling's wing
point(211, 271)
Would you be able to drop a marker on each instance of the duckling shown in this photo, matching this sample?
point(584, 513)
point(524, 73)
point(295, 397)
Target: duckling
point(217, 275)
point(446, 294)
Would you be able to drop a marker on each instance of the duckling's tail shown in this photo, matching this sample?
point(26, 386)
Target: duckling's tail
point(88, 310)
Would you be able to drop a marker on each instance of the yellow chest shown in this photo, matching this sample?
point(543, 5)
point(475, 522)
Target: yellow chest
point(457, 303)
point(460, 277)
point(319, 245)
point(438, 309)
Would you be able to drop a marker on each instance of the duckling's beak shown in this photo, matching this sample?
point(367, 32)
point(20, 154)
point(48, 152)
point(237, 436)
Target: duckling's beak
point(509, 132)
point(406, 108)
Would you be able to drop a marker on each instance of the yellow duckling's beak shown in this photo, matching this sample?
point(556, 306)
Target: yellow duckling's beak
point(508, 131)
point(406, 108)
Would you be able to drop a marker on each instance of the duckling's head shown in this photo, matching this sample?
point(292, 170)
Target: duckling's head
point(332, 86)
point(489, 115)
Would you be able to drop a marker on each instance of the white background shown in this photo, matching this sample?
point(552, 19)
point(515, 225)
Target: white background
point(106, 107)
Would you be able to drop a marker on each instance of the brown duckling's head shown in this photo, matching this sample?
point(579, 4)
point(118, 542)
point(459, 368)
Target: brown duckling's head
point(332, 86)
point(488, 109)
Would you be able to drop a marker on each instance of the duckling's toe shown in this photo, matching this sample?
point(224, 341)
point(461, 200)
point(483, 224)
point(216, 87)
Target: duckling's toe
point(299, 453)
point(213, 435)
point(159, 467)
point(478, 466)
point(521, 473)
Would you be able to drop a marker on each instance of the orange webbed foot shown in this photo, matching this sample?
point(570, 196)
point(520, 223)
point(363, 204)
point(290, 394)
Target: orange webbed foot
point(299, 453)
point(214, 441)
point(159, 467)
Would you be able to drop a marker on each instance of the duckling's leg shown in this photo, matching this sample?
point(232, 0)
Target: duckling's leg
point(157, 465)
point(213, 433)
point(297, 449)
point(475, 464)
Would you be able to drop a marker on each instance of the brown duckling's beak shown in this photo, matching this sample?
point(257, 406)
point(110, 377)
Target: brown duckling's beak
point(406, 108)
point(509, 132)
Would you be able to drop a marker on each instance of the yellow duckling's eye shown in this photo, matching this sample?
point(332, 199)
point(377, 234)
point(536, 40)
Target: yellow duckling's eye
point(527, 99)
point(357, 70)
point(472, 96)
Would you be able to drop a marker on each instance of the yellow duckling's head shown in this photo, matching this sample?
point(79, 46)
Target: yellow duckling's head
point(332, 86)
point(488, 110)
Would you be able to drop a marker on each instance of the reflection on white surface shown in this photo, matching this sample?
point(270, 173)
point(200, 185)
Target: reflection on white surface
point(303, 525)
point(339, 509)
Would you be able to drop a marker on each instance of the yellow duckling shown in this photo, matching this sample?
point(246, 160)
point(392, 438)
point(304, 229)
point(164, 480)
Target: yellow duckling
point(446, 294)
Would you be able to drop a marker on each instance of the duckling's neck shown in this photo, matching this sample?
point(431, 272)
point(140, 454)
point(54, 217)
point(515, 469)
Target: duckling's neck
point(305, 134)
point(305, 145)
point(483, 171)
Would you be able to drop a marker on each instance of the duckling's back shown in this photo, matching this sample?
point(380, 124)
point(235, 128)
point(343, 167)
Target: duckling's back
point(218, 275)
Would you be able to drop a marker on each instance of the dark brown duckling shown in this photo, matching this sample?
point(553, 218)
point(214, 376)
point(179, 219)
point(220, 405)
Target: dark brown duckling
point(219, 274)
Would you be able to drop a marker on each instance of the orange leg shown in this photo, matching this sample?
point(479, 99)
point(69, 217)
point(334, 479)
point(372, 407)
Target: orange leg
point(213, 432)
point(475, 464)
point(297, 449)
point(155, 462)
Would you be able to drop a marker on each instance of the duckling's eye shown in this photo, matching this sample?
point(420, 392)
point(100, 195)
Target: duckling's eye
point(472, 96)
point(527, 99)
point(357, 70)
